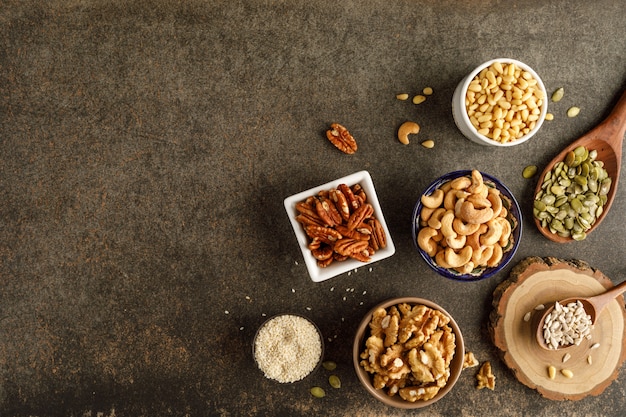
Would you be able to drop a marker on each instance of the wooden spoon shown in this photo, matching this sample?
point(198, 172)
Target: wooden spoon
point(606, 139)
point(592, 305)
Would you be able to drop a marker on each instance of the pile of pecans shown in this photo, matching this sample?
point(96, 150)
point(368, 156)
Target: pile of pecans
point(341, 225)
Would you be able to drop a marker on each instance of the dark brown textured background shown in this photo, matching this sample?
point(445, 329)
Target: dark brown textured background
point(146, 148)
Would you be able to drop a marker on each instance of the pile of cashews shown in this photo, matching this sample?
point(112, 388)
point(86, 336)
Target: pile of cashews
point(464, 225)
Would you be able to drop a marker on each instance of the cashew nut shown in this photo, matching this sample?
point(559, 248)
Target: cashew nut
point(477, 185)
point(460, 183)
point(452, 197)
point(425, 213)
point(479, 201)
point(482, 255)
point(506, 231)
point(495, 200)
point(471, 215)
point(496, 257)
point(406, 129)
point(440, 259)
point(467, 268)
point(446, 225)
point(434, 200)
point(425, 241)
point(493, 234)
point(473, 240)
point(435, 218)
point(463, 228)
point(456, 242)
point(456, 260)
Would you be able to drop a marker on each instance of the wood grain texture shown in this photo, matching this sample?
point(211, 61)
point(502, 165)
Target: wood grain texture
point(536, 281)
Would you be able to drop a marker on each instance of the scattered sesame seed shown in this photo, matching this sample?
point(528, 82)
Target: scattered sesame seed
point(349, 273)
point(364, 292)
point(226, 312)
point(361, 303)
point(263, 314)
point(370, 269)
point(332, 288)
point(308, 308)
point(293, 290)
point(247, 297)
point(351, 289)
point(241, 328)
point(344, 298)
point(297, 263)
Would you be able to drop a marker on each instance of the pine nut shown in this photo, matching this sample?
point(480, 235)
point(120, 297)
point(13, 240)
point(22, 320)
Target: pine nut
point(418, 99)
point(551, 372)
point(567, 373)
point(402, 96)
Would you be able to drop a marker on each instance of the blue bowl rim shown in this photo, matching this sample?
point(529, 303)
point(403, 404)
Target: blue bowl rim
point(508, 256)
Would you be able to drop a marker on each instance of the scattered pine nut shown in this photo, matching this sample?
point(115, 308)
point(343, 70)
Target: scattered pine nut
point(549, 116)
point(573, 111)
point(429, 144)
point(567, 373)
point(427, 91)
point(419, 99)
point(558, 94)
point(551, 372)
point(403, 96)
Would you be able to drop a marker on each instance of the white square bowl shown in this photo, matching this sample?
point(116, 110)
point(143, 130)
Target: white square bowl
point(337, 268)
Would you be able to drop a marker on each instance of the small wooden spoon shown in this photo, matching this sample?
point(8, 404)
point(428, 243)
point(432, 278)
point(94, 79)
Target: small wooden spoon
point(592, 305)
point(606, 139)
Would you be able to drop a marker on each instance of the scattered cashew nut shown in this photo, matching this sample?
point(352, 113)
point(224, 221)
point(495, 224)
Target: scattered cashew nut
point(406, 129)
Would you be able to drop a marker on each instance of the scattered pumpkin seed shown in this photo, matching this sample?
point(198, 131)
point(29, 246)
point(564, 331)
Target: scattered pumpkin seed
point(529, 171)
point(318, 392)
point(428, 144)
point(329, 365)
point(558, 94)
point(418, 99)
point(427, 91)
point(402, 96)
point(573, 111)
point(334, 381)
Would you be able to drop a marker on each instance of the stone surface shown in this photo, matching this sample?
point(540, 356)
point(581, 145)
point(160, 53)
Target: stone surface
point(146, 148)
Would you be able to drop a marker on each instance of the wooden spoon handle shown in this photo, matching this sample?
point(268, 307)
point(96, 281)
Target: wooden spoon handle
point(616, 124)
point(599, 301)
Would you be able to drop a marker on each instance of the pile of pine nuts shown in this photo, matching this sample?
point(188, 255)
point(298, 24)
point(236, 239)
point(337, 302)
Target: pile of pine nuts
point(504, 102)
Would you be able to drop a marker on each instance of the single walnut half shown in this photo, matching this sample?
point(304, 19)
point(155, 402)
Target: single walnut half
point(485, 377)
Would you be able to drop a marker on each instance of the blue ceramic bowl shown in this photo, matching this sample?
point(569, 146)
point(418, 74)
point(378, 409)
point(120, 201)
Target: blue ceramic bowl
point(515, 215)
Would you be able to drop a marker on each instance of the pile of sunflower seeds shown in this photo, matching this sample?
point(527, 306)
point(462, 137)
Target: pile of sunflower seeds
point(567, 325)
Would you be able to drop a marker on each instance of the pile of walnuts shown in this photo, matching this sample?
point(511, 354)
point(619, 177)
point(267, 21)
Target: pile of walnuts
point(409, 351)
point(341, 225)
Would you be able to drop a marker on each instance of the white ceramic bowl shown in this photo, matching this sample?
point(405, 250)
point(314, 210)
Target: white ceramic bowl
point(337, 268)
point(459, 110)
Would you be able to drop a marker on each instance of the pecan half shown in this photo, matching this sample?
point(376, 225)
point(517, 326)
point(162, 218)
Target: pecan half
point(362, 213)
point(362, 256)
point(324, 263)
point(379, 239)
point(348, 247)
point(341, 203)
point(327, 211)
point(323, 234)
point(341, 138)
point(353, 201)
point(324, 252)
point(352, 234)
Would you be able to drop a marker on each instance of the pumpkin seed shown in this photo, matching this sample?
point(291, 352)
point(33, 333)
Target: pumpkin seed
point(329, 365)
point(334, 381)
point(558, 94)
point(318, 392)
point(573, 194)
point(529, 171)
point(573, 111)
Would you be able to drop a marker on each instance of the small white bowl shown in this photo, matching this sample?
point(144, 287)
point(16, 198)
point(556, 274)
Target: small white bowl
point(459, 111)
point(337, 268)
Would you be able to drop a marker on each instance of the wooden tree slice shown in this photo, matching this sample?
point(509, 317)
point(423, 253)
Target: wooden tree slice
point(536, 281)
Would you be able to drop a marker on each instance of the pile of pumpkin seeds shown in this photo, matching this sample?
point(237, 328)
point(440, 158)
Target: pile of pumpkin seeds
point(573, 194)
